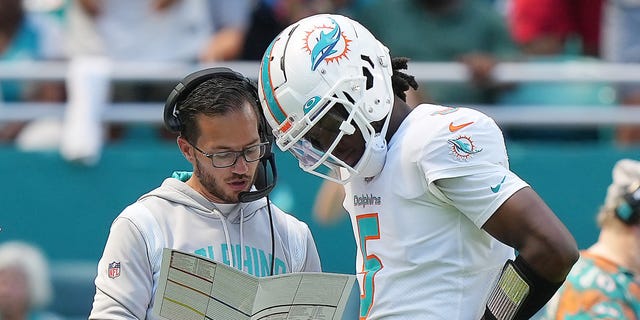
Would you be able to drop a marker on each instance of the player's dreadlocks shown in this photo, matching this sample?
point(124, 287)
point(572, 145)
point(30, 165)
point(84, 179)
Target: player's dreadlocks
point(401, 81)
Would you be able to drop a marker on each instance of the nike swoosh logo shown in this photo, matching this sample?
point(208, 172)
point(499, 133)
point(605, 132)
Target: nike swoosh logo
point(497, 187)
point(454, 128)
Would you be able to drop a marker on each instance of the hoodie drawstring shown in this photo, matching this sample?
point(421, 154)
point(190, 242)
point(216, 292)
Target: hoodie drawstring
point(241, 240)
point(226, 235)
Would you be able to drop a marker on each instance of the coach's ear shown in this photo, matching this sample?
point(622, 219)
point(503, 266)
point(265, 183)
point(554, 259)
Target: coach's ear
point(187, 149)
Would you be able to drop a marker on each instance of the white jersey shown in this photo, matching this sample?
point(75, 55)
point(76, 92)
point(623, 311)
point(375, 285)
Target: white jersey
point(421, 251)
point(175, 216)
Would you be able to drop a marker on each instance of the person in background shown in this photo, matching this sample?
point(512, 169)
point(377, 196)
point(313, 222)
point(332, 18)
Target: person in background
point(327, 205)
point(269, 17)
point(621, 44)
point(139, 34)
point(559, 33)
point(437, 214)
point(466, 31)
point(219, 210)
point(173, 30)
point(604, 283)
point(27, 36)
point(544, 25)
point(25, 286)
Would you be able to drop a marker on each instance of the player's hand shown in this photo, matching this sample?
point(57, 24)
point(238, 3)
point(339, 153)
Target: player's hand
point(91, 7)
point(481, 68)
point(161, 5)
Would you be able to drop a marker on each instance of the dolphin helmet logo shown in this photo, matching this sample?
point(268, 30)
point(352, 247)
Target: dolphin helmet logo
point(326, 43)
point(311, 103)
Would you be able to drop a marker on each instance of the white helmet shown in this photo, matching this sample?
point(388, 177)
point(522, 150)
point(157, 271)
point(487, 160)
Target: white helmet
point(317, 63)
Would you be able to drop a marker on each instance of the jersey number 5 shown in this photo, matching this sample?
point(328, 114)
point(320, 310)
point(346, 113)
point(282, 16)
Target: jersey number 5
point(368, 229)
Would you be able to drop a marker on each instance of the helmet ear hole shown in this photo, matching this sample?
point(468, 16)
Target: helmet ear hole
point(367, 59)
point(367, 74)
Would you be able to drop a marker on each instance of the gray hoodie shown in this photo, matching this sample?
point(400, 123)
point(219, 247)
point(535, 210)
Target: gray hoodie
point(176, 216)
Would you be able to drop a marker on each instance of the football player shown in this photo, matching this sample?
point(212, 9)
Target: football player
point(437, 215)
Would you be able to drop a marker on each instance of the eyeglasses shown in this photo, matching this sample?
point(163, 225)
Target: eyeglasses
point(227, 159)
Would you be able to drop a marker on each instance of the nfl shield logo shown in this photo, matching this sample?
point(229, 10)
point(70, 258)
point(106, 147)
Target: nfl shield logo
point(114, 269)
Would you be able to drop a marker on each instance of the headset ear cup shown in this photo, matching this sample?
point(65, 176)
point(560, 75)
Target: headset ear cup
point(265, 132)
point(268, 137)
point(629, 210)
point(171, 120)
point(261, 178)
point(624, 212)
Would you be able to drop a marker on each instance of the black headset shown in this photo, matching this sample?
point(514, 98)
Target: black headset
point(264, 182)
point(629, 210)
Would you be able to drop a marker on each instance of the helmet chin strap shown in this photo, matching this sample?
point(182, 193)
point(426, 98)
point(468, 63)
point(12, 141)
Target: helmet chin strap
point(375, 154)
point(373, 160)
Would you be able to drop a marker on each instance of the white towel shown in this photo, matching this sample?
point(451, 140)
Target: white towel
point(88, 91)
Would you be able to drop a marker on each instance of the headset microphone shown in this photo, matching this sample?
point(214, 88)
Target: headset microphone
point(263, 183)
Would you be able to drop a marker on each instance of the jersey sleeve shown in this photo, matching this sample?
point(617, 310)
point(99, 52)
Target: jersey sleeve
point(124, 281)
point(479, 195)
point(466, 165)
point(465, 142)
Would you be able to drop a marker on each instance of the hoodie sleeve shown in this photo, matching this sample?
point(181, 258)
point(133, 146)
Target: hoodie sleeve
point(124, 282)
point(302, 247)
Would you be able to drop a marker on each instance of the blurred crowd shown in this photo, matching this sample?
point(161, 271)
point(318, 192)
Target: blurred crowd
point(25, 284)
point(93, 35)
